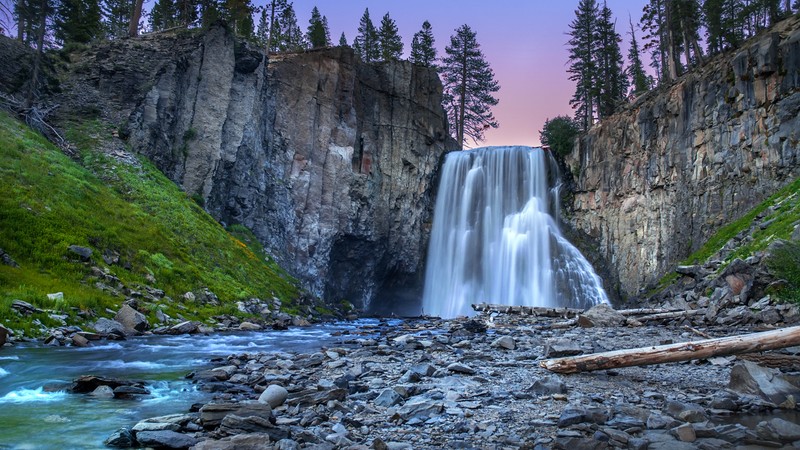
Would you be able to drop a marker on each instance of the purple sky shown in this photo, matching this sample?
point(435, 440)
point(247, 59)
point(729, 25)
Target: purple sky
point(523, 40)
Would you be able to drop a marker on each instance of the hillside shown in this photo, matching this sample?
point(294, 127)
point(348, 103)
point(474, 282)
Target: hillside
point(137, 236)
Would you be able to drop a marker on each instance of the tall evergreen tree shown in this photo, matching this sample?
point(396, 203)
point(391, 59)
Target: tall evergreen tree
point(423, 52)
point(611, 84)
point(389, 42)
point(366, 42)
point(262, 30)
point(343, 40)
point(288, 36)
point(239, 14)
point(317, 35)
point(78, 21)
point(640, 81)
point(469, 86)
point(274, 10)
point(117, 17)
point(186, 12)
point(583, 61)
point(687, 23)
point(163, 15)
point(136, 17)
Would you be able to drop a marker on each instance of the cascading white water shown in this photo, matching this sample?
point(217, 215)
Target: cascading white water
point(494, 239)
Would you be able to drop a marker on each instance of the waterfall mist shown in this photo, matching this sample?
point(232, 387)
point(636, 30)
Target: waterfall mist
point(495, 238)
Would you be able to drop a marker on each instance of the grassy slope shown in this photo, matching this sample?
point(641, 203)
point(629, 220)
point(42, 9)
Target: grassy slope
point(777, 216)
point(50, 202)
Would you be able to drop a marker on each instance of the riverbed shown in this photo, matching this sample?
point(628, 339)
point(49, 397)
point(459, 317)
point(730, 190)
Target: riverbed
point(36, 411)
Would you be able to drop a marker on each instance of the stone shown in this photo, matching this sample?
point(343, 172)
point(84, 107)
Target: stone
point(316, 397)
point(24, 307)
point(686, 412)
point(129, 391)
point(56, 296)
point(133, 321)
point(274, 395)
point(155, 426)
point(185, 327)
point(461, 368)
point(6, 259)
point(505, 342)
point(250, 441)
point(108, 326)
point(249, 326)
point(102, 392)
point(602, 315)
point(684, 433)
point(4, 333)
point(560, 348)
point(122, 438)
point(548, 385)
point(388, 397)
point(420, 407)
point(83, 253)
point(165, 439)
point(212, 414)
point(235, 424)
point(575, 414)
point(777, 429)
point(749, 378)
point(425, 370)
point(88, 383)
point(77, 340)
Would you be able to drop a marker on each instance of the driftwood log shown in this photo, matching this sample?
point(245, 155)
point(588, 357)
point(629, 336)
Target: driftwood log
point(643, 356)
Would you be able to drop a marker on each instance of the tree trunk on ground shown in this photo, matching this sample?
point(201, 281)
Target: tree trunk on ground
point(136, 15)
point(643, 356)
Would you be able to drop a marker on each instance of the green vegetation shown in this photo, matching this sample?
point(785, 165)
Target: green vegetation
point(773, 219)
point(120, 207)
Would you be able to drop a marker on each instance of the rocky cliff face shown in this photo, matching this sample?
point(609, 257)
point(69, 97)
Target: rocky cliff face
point(328, 160)
point(656, 180)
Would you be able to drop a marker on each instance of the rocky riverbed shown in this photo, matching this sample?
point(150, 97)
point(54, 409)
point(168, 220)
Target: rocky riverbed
point(477, 383)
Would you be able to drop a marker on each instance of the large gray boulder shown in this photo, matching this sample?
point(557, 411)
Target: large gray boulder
point(133, 321)
point(602, 315)
point(165, 439)
point(770, 384)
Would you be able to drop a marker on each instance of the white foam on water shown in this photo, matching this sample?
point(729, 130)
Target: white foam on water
point(12, 358)
point(32, 395)
point(3, 372)
point(120, 364)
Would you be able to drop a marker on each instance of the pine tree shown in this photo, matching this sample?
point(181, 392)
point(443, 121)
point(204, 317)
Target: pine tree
point(389, 42)
point(288, 36)
point(343, 40)
point(687, 23)
point(559, 134)
point(136, 16)
point(583, 62)
point(163, 15)
point(78, 21)
point(468, 84)
point(640, 81)
point(423, 52)
point(366, 41)
point(611, 83)
point(186, 12)
point(239, 14)
point(262, 31)
point(317, 34)
point(117, 17)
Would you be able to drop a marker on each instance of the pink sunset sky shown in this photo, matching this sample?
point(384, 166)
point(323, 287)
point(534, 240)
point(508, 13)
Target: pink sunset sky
point(523, 40)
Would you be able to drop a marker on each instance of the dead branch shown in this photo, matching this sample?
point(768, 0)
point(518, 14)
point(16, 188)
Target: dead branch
point(731, 345)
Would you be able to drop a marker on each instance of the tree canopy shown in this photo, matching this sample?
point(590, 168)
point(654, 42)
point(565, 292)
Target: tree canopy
point(423, 52)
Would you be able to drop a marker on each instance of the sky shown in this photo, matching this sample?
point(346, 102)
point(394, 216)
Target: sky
point(524, 41)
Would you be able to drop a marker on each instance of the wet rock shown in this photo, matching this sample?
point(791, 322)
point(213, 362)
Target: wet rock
point(212, 414)
point(249, 326)
point(83, 253)
point(250, 441)
point(165, 439)
point(274, 395)
point(108, 326)
point(778, 429)
point(686, 412)
point(155, 426)
point(133, 321)
point(102, 392)
point(88, 383)
point(77, 340)
point(130, 391)
point(601, 315)
point(684, 433)
point(122, 438)
point(186, 327)
point(750, 378)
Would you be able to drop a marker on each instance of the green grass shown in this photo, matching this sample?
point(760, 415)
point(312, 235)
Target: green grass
point(782, 213)
point(50, 202)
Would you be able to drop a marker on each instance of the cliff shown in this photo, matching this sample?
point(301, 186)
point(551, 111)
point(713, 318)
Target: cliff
point(654, 181)
point(329, 161)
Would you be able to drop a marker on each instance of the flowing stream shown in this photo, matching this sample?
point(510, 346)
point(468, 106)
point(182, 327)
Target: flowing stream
point(496, 239)
point(37, 413)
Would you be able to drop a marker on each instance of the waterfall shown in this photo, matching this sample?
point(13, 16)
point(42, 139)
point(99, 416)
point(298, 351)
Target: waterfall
point(495, 239)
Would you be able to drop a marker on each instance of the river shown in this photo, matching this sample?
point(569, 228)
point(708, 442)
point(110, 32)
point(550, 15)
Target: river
point(36, 412)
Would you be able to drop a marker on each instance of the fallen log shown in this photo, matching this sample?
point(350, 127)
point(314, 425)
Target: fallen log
point(644, 311)
point(684, 351)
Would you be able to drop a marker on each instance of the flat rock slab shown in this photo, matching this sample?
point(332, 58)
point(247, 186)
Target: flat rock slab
point(165, 439)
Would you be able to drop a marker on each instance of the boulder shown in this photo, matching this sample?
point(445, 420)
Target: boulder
point(24, 307)
point(165, 439)
point(505, 342)
point(133, 321)
point(234, 424)
point(252, 441)
point(461, 368)
point(769, 384)
point(6, 259)
point(420, 407)
point(211, 414)
point(108, 326)
point(388, 397)
point(79, 341)
point(249, 326)
point(122, 438)
point(548, 385)
point(274, 395)
point(561, 347)
point(4, 333)
point(601, 315)
point(187, 327)
point(88, 383)
point(83, 253)
point(777, 429)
